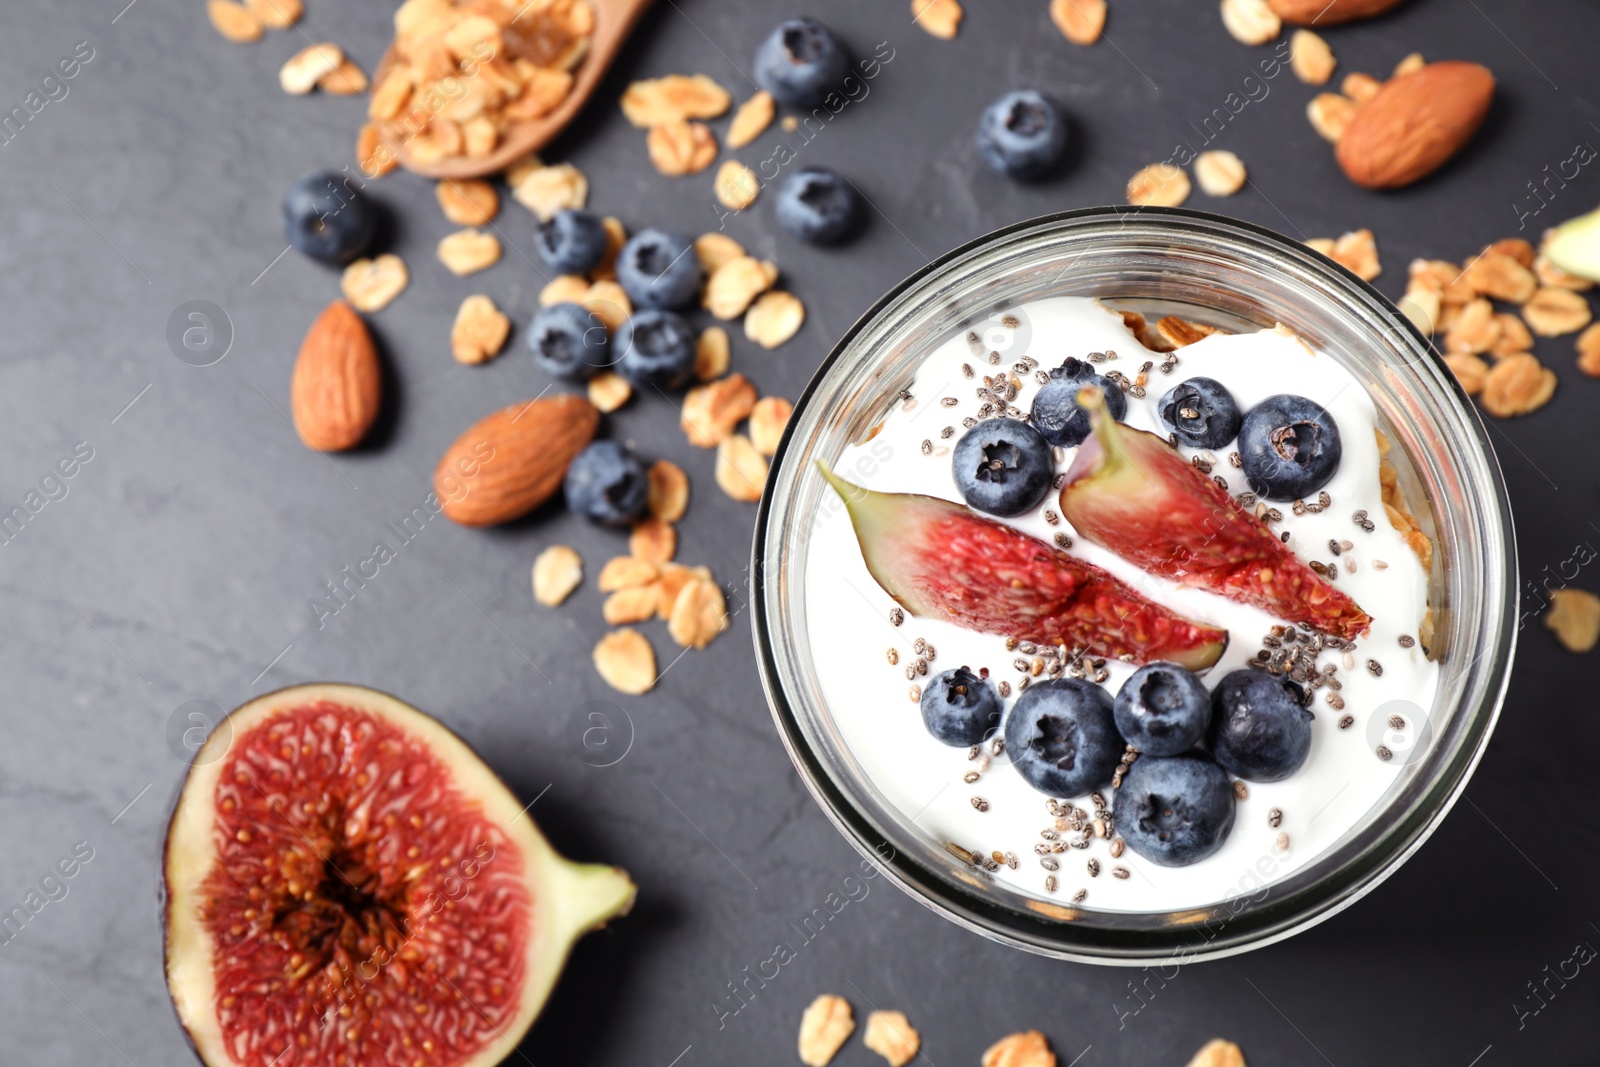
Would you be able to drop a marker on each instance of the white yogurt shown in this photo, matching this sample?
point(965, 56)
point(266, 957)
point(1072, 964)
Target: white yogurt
point(1343, 777)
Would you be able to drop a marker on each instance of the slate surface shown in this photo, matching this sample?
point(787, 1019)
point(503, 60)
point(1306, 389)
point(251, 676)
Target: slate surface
point(180, 564)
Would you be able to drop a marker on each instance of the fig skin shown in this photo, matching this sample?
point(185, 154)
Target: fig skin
point(567, 899)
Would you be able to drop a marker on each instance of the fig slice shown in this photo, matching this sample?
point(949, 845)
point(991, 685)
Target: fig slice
point(1130, 492)
point(346, 882)
point(938, 560)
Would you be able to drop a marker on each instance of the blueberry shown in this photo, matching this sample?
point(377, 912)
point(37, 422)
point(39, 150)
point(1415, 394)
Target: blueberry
point(572, 242)
point(959, 708)
point(1061, 737)
point(817, 205)
point(656, 349)
point(1201, 412)
point(800, 62)
point(569, 342)
point(324, 217)
point(1162, 709)
point(1174, 810)
point(1022, 134)
point(607, 484)
point(1055, 406)
point(1003, 466)
point(1290, 447)
point(1260, 728)
point(659, 269)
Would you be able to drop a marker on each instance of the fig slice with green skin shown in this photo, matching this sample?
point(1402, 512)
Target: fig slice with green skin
point(345, 881)
point(938, 560)
point(1130, 492)
point(1574, 246)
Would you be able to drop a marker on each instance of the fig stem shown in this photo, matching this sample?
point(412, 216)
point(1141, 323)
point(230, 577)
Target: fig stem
point(1113, 457)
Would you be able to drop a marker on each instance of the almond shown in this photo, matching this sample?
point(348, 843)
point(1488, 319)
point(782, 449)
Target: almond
point(1324, 13)
point(510, 462)
point(1414, 124)
point(336, 386)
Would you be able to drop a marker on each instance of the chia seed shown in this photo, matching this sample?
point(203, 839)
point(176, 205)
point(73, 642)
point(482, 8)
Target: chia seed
point(893, 656)
point(1050, 863)
point(1050, 883)
point(1077, 898)
point(1241, 790)
point(1384, 753)
point(1051, 517)
point(1281, 844)
point(1346, 722)
point(896, 616)
point(947, 433)
point(1063, 541)
point(1397, 722)
point(980, 803)
point(1274, 817)
point(1406, 640)
point(1094, 868)
point(927, 447)
point(966, 369)
point(1333, 546)
point(1116, 847)
point(1235, 460)
point(1375, 668)
point(915, 693)
point(1119, 872)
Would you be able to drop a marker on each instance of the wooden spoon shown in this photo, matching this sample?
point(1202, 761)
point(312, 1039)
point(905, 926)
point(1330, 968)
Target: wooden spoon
point(613, 21)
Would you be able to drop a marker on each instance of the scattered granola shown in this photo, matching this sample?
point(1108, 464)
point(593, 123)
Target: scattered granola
point(824, 1028)
point(469, 251)
point(1498, 275)
point(626, 661)
point(677, 147)
point(564, 289)
point(1360, 86)
point(1517, 385)
point(1553, 311)
point(699, 613)
point(711, 411)
point(1251, 22)
point(752, 118)
point(774, 318)
point(711, 354)
point(626, 572)
point(675, 97)
point(547, 190)
point(1330, 115)
point(1356, 251)
point(1411, 63)
point(653, 539)
point(1080, 21)
point(1310, 57)
point(741, 470)
point(616, 237)
point(715, 249)
point(1475, 329)
point(635, 604)
point(276, 14)
point(1514, 335)
point(1218, 1053)
point(300, 74)
point(736, 185)
point(736, 283)
point(480, 330)
point(1588, 345)
point(1159, 184)
point(669, 490)
point(1574, 617)
point(468, 201)
point(1029, 1048)
point(1220, 173)
point(767, 420)
point(557, 571)
point(610, 302)
point(372, 284)
point(938, 17)
point(891, 1035)
point(1469, 370)
point(373, 156)
point(347, 79)
point(609, 390)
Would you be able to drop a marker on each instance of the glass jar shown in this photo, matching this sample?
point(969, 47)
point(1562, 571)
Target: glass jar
point(1226, 273)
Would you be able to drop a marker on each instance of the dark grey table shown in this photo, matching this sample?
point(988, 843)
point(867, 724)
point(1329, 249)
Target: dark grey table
point(180, 563)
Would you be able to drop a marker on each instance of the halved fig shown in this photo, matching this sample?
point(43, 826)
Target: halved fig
point(1132, 493)
point(940, 561)
point(346, 882)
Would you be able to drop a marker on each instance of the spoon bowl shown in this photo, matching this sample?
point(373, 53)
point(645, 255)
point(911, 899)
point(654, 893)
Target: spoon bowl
point(613, 21)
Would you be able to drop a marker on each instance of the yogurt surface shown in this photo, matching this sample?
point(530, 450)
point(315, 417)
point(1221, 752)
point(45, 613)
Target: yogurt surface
point(1387, 685)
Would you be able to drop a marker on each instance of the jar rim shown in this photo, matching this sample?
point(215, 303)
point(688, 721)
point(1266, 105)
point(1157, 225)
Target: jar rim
point(1424, 390)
